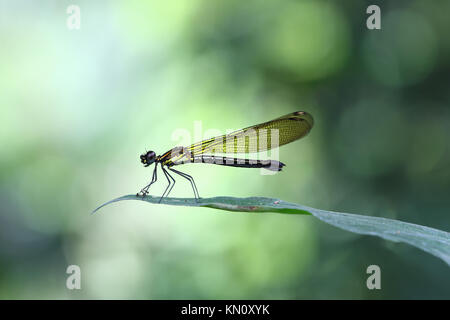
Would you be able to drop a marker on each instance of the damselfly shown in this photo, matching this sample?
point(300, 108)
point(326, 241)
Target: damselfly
point(257, 138)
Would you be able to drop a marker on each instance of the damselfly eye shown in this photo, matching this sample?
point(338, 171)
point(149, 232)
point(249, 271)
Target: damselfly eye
point(148, 158)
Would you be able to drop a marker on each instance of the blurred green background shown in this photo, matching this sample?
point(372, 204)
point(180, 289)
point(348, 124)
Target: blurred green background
point(78, 107)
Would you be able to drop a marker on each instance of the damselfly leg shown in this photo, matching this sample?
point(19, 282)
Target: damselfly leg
point(144, 191)
point(171, 184)
point(191, 180)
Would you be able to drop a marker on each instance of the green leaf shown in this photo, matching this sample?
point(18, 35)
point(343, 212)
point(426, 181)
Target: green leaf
point(433, 241)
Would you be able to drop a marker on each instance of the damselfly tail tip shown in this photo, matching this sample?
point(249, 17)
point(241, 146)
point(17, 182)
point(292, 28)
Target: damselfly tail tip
point(273, 165)
point(280, 166)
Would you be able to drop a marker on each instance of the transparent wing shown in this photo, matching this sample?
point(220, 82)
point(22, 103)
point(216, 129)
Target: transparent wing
point(260, 137)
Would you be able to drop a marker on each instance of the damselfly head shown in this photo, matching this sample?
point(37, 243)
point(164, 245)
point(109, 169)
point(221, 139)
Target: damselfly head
point(148, 158)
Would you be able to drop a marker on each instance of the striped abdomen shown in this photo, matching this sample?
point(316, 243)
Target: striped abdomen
point(272, 165)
